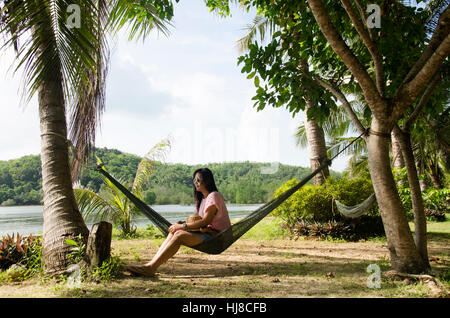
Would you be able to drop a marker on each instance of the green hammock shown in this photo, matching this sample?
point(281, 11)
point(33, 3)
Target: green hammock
point(221, 241)
point(356, 210)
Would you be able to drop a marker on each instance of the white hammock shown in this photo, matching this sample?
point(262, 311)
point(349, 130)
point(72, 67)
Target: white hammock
point(357, 210)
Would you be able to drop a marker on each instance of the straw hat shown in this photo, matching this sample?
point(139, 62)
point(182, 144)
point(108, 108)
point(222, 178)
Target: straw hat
point(196, 217)
point(193, 218)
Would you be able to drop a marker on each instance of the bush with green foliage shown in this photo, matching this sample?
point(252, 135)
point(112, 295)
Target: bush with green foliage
point(315, 203)
point(78, 249)
point(435, 201)
point(311, 212)
point(109, 269)
point(23, 251)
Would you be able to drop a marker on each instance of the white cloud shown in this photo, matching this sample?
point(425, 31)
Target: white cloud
point(19, 123)
point(188, 86)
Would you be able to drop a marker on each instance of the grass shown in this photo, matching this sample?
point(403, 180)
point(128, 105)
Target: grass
point(437, 230)
point(265, 262)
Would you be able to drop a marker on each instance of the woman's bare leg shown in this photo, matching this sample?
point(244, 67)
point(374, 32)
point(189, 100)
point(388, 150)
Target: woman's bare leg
point(171, 248)
point(163, 245)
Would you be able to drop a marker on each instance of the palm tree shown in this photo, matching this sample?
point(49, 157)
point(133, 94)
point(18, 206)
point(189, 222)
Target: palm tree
point(111, 204)
point(430, 143)
point(66, 67)
point(339, 133)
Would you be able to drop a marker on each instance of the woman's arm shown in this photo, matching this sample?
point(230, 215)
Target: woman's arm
point(207, 219)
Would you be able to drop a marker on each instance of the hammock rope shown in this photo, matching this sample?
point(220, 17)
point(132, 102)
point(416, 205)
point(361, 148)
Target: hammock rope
point(221, 241)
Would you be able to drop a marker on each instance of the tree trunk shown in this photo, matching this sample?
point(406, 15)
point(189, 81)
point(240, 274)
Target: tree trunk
point(397, 157)
point(62, 219)
point(403, 252)
point(317, 146)
point(435, 173)
point(420, 172)
point(420, 221)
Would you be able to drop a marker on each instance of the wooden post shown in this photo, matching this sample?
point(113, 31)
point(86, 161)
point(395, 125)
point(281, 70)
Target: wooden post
point(98, 247)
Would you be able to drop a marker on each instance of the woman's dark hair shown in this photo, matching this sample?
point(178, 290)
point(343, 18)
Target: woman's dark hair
point(208, 181)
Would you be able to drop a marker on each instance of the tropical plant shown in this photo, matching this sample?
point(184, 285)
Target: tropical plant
point(316, 202)
point(110, 203)
point(58, 63)
point(21, 250)
point(64, 61)
point(260, 27)
point(340, 134)
point(78, 249)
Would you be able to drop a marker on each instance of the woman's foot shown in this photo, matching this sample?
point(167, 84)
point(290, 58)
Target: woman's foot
point(139, 270)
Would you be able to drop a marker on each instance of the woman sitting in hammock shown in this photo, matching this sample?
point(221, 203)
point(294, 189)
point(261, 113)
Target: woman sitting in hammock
point(211, 208)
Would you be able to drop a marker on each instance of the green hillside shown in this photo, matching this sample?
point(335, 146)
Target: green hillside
point(239, 182)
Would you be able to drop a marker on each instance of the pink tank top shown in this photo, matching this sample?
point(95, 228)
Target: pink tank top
point(221, 220)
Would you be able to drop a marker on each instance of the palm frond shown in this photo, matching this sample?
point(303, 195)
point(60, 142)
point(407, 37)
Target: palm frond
point(140, 16)
point(92, 206)
point(338, 123)
point(358, 165)
point(300, 136)
point(87, 110)
point(157, 153)
point(71, 56)
point(257, 30)
point(337, 144)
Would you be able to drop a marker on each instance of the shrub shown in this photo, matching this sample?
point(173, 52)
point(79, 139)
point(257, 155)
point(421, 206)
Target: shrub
point(25, 252)
point(434, 215)
point(315, 202)
point(109, 269)
point(435, 201)
point(78, 251)
point(350, 191)
point(14, 249)
point(347, 229)
point(309, 202)
point(310, 211)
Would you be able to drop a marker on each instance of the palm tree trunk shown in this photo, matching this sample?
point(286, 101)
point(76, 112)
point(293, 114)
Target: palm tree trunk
point(62, 219)
point(420, 172)
point(317, 146)
point(403, 252)
point(397, 158)
point(420, 222)
point(435, 173)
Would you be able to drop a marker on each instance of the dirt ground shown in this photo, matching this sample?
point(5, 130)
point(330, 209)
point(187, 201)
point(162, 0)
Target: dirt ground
point(255, 268)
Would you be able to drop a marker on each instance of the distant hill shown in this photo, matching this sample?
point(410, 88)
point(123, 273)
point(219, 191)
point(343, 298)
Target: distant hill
point(239, 182)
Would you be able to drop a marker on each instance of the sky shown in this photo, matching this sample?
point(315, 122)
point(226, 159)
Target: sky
point(186, 86)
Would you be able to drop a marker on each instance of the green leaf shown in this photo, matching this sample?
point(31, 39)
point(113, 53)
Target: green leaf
point(71, 242)
point(257, 81)
point(251, 75)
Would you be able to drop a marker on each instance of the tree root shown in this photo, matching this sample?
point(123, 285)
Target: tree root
point(437, 289)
